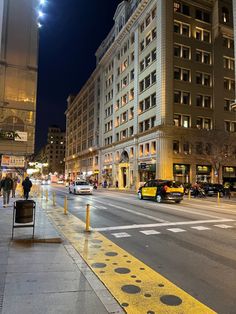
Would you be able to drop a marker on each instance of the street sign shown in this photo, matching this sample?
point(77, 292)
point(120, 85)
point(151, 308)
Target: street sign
point(143, 165)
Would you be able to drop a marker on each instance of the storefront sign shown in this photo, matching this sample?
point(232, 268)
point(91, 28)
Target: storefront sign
point(21, 136)
point(181, 169)
point(143, 166)
point(13, 161)
point(203, 169)
point(147, 167)
point(7, 135)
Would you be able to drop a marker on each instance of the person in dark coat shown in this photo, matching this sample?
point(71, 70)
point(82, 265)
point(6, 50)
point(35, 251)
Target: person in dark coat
point(6, 185)
point(27, 185)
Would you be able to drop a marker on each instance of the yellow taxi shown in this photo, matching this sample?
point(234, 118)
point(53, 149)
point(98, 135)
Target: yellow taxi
point(162, 190)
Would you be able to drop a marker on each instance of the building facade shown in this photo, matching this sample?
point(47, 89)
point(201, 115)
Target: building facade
point(53, 153)
point(18, 76)
point(165, 79)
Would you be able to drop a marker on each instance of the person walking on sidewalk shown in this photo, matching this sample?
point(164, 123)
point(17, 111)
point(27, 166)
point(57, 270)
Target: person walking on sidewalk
point(6, 185)
point(27, 185)
point(15, 181)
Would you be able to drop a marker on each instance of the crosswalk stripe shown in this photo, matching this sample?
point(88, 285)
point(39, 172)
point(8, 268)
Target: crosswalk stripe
point(201, 228)
point(150, 232)
point(223, 226)
point(121, 235)
point(176, 230)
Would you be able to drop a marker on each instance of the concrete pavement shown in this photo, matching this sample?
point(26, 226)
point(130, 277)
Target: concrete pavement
point(46, 275)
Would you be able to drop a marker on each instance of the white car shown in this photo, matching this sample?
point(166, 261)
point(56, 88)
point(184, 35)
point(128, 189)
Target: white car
point(45, 182)
point(80, 187)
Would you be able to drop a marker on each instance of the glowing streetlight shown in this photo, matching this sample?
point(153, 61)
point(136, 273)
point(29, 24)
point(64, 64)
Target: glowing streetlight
point(42, 2)
point(40, 14)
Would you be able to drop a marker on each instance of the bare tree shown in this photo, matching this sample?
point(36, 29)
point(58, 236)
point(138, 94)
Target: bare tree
point(217, 148)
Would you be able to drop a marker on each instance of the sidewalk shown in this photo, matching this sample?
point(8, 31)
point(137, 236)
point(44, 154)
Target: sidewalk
point(46, 275)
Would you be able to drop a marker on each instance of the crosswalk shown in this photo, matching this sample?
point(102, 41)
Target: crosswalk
point(153, 232)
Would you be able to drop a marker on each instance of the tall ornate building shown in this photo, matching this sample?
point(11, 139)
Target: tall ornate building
point(162, 87)
point(18, 76)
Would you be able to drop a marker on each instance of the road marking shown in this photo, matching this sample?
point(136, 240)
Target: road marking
point(201, 228)
point(223, 226)
point(150, 232)
point(130, 281)
point(179, 223)
point(137, 213)
point(176, 230)
point(121, 235)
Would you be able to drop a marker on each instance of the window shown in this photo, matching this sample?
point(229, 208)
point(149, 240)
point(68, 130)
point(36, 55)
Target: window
point(147, 149)
point(199, 148)
point(225, 15)
point(227, 103)
point(186, 121)
point(229, 84)
point(177, 120)
point(227, 126)
point(186, 148)
point(181, 8)
point(176, 147)
point(202, 15)
point(182, 74)
point(203, 123)
point(203, 56)
point(131, 113)
point(131, 131)
point(228, 63)
point(153, 147)
point(177, 97)
point(228, 42)
point(202, 35)
point(132, 75)
point(181, 51)
point(203, 79)
point(182, 28)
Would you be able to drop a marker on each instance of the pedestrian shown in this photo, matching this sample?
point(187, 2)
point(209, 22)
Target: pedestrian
point(117, 184)
point(27, 184)
point(15, 181)
point(105, 183)
point(6, 185)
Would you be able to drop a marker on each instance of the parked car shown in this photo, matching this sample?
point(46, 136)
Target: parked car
point(211, 189)
point(80, 187)
point(162, 190)
point(60, 181)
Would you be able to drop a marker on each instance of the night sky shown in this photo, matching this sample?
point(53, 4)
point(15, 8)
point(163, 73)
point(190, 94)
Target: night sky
point(71, 33)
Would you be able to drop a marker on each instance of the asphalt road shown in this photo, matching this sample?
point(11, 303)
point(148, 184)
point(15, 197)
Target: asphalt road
point(193, 244)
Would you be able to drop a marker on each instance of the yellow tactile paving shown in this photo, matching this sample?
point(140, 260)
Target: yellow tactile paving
point(138, 288)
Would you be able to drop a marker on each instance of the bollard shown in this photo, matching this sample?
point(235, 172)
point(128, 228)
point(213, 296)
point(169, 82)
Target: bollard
point(189, 194)
point(54, 198)
point(87, 218)
point(218, 197)
point(65, 206)
point(46, 195)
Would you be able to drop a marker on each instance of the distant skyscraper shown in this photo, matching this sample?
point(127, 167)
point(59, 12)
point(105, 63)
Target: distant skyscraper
point(18, 75)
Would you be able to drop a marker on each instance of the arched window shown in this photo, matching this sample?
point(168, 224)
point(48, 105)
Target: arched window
point(13, 124)
point(225, 14)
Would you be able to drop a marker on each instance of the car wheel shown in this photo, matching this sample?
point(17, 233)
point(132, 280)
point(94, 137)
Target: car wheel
point(177, 202)
point(158, 198)
point(140, 195)
point(74, 191)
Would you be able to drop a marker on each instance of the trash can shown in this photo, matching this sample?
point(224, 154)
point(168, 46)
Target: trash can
point(24, 211)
